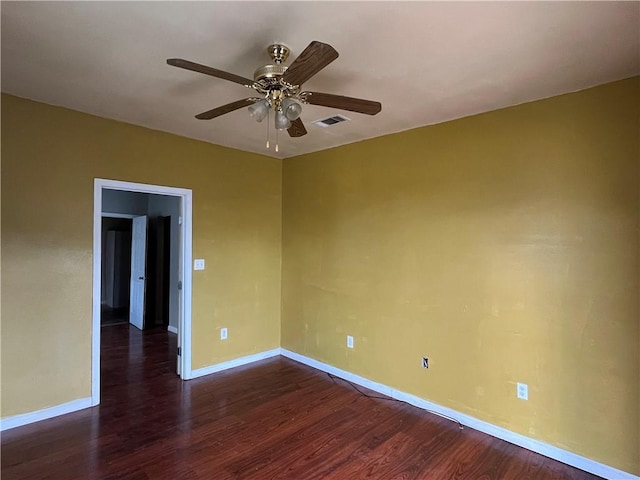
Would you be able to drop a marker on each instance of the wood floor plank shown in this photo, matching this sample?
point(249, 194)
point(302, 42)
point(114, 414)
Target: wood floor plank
point(275, 419)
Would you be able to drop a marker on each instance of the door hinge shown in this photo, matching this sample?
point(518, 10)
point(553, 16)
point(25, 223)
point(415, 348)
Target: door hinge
point(179, 284)
point(180, 220)
point(179, 351)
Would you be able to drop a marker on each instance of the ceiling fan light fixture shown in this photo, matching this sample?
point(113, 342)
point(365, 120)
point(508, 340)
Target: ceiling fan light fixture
point(282, 122)
point(292, 109)
point(258, 111)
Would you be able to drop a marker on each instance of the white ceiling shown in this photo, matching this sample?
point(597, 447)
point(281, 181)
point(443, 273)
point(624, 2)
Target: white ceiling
point(427, 62)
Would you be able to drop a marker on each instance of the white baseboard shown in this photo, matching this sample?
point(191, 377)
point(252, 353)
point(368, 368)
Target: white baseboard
point(537, 446)
point(45, 413)
point(236, 362)
point(172, 329)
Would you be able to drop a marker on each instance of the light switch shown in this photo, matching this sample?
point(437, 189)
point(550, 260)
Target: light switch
point(198, 264)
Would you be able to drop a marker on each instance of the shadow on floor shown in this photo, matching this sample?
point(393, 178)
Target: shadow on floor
point(113, 316)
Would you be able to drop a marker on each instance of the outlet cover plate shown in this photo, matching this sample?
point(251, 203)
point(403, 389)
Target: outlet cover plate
point(198, 264)
point(223, 333)
point(349, 341)
point(522, 390)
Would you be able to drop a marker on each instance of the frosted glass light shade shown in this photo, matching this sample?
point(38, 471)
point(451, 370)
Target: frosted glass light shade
point(259, 110)
point(291, 108)
point(282, 122)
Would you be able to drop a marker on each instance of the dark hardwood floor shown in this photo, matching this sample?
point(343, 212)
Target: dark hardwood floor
point(273, 419)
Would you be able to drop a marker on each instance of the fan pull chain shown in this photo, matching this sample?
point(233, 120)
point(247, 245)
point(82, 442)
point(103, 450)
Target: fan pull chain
point(268, 112)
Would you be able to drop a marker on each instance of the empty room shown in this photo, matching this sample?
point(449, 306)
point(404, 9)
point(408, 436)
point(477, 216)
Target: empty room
point(320, 240)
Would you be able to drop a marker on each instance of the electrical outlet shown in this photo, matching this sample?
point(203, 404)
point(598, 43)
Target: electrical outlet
point(522, 390)
point(425, 362)
point(349, 341)
point(198, 264)
point(223, 334)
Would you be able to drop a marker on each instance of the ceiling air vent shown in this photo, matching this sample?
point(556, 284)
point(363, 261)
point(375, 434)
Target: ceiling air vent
point(327, 122)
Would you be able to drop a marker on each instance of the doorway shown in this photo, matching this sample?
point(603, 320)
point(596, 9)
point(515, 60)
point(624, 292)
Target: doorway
point(182, 280)
point(116, 270)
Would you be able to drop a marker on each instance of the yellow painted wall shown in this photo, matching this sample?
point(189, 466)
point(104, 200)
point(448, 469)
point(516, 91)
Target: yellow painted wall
point(503, 246)
point(50, 157)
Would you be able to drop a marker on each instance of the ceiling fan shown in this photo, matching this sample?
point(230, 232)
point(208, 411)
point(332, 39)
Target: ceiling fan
point(279, 87)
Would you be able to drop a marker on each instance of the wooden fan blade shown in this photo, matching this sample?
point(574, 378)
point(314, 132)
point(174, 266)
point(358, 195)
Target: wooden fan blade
point(314, 58)
point(214, 72)
point(229, 107)
point(297, 128)
point(359, 105)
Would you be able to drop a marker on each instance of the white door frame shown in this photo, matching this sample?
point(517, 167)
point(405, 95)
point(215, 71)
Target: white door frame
point(184, 275)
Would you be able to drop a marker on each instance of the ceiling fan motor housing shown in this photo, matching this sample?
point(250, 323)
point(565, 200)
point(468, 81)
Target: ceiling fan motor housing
point(269, 73)
point(268, 77)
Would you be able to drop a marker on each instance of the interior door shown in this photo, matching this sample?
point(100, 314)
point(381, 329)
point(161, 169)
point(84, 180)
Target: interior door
point(138, 271)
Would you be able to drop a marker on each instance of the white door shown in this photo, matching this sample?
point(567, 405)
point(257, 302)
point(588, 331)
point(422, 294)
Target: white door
point(138, 271)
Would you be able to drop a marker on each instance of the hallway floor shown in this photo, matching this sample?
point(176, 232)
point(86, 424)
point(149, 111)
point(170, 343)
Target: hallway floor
point(113, 316)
